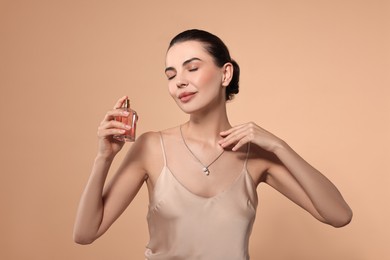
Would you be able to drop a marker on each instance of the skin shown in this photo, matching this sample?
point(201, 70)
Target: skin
point(190, 69)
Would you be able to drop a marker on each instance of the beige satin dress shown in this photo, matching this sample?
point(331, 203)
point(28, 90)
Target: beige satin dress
point(185, 226)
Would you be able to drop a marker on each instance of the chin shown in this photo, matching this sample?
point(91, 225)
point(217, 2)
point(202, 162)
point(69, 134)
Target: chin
point(188, 108)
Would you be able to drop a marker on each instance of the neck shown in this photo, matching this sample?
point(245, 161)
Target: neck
point(205, 127)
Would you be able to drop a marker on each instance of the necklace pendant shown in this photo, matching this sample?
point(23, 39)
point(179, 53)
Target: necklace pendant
point(205, 169)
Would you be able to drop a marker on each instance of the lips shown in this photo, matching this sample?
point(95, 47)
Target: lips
point(186, 96)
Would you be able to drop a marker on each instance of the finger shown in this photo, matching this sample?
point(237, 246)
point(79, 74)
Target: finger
point(112, 114)
point(234, 137)
point(240, 143)
point(114, 124)
point(107, 130)
point(232, 141)
point(107, 125)
point(238, 130)
point(104, 133)
point(229, 131)
point(120, 101)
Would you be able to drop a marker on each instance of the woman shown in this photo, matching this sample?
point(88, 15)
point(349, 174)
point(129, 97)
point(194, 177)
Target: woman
point(201, 175)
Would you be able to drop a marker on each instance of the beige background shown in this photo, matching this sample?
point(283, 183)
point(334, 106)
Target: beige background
point(315, 73)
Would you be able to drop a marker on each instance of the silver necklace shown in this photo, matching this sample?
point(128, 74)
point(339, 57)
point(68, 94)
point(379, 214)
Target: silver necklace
point(205, 169)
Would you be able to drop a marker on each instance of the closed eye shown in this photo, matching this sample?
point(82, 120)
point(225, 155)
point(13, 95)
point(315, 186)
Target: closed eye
point(191, 64)
point(170, 77)
point(170, 73)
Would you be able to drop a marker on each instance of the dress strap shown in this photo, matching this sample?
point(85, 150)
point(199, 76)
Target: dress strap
point(247, 154)
point(163, 149)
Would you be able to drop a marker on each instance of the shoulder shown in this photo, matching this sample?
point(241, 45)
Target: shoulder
point(150, 148)
point(153, 138)
point(170, 136)
point(144, 146)
point(148, 139)
point(173, 131)
point(146, 152)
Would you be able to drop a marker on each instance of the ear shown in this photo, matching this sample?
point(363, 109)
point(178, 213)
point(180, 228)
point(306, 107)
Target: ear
point(227, 74)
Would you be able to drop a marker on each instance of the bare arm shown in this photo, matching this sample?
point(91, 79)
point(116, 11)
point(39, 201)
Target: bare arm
point(293, 176)
point(307, 187)
point(100, 206)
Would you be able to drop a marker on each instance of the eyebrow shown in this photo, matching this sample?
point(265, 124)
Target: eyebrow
point(184, 63)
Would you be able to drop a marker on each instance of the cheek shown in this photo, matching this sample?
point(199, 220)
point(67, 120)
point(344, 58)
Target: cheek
point(171, 89)
point(210, 78)
point(212, 81)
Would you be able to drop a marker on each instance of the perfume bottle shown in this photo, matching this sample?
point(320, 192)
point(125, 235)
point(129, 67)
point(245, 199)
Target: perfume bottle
point(131, 120)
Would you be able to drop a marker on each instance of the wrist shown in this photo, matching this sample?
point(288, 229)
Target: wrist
point(108, 158)
point(280, 146)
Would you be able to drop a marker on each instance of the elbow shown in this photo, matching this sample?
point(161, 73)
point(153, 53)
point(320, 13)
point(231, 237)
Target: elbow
point(82, 239)
point(343, 220)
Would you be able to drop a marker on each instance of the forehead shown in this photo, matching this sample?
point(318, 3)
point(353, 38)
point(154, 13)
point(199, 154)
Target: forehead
point(183, 51)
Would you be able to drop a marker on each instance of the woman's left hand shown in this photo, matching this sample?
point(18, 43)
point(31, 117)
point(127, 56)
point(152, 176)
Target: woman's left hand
point(240, 135)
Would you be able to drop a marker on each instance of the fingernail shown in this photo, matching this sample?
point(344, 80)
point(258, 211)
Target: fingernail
point(127, 126)
point(125, 113)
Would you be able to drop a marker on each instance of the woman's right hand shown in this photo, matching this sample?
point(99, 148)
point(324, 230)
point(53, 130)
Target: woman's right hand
point(108, 145)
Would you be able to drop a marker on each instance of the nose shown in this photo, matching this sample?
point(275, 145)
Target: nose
point(181, 82)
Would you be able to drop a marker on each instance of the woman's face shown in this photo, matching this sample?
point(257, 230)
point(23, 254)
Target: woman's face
point(194, 80)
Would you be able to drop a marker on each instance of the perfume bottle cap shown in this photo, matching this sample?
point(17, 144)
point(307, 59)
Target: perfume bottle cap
point(126, 104)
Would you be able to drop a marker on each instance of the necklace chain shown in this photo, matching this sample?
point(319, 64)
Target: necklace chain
point(206, 170)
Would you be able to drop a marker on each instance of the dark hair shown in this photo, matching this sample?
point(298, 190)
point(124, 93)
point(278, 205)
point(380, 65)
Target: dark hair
point(216, 48)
